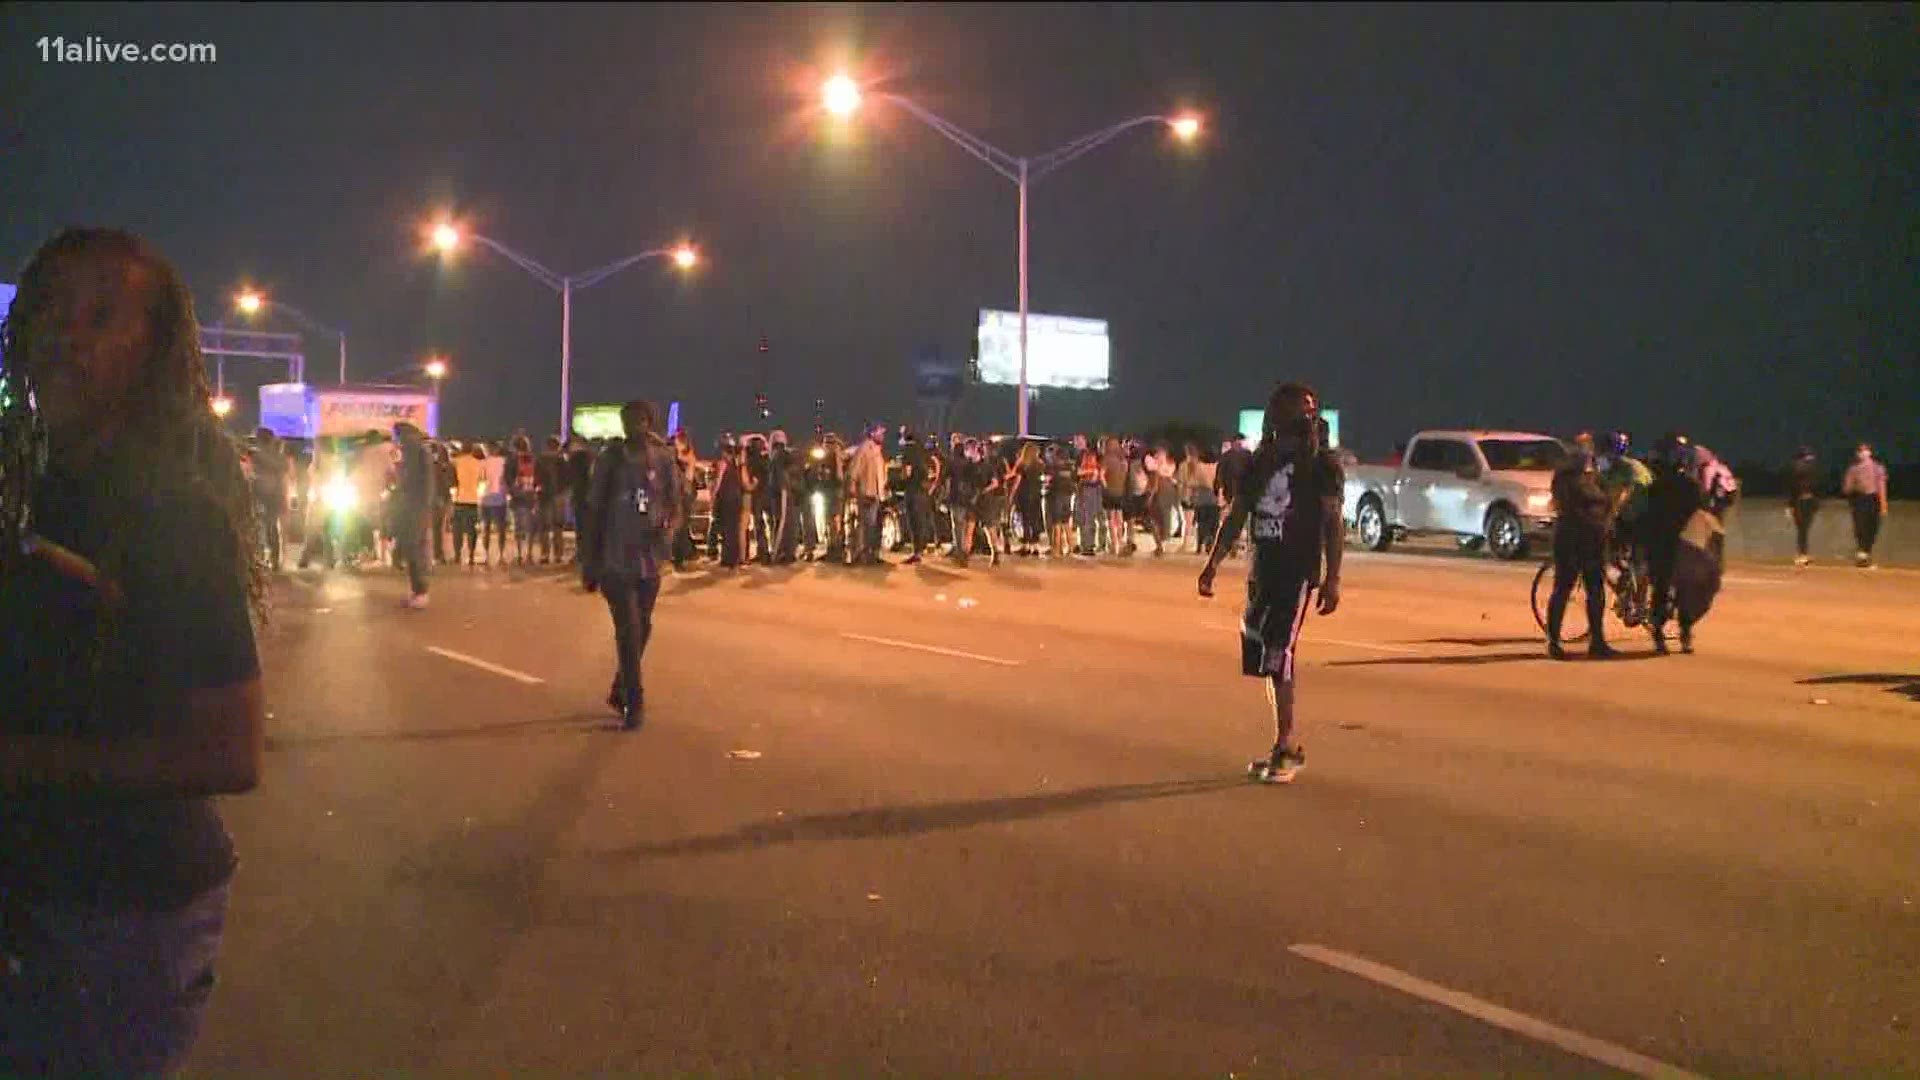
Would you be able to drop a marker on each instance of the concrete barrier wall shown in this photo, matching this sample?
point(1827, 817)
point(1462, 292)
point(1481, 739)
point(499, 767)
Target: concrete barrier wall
point(1758, 529)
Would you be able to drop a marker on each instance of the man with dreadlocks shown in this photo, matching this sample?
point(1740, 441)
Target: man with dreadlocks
point(130, 689)
point(1292, 493)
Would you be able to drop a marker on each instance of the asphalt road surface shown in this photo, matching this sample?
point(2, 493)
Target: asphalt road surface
point(996, 822)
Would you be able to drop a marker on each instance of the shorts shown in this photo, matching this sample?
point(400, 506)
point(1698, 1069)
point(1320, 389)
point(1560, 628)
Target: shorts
point(1270, 629)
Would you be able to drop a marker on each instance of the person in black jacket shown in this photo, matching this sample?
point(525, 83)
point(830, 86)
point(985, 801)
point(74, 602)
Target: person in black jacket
point(633, 509)
point(1803, 500)
point(579, 478)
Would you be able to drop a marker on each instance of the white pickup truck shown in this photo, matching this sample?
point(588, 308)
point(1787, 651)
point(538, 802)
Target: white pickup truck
point(1491, 488)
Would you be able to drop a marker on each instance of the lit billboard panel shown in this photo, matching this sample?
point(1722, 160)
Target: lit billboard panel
point(1062, 352)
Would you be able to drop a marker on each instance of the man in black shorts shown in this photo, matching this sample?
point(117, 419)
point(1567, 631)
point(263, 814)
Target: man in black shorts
point(1292, 493)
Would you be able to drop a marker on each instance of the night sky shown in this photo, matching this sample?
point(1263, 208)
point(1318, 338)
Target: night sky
point(1540, 217)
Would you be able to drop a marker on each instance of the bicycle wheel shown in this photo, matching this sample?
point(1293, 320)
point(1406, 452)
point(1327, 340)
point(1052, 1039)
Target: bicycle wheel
point(1573, 627)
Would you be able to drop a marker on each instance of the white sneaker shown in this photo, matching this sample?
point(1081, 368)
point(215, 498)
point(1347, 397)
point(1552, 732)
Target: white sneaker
point(1862, 559)
point(417, 603)
point(1802, 560)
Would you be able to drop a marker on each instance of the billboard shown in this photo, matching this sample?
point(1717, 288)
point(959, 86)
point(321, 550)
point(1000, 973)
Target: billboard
point(598, 422)
point(1251, 421)
point(1062, 352)
point(300, 411)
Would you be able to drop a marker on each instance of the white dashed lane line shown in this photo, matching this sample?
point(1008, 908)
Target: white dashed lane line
point(1573, 1042)
point(935, 649)
point(483, 665)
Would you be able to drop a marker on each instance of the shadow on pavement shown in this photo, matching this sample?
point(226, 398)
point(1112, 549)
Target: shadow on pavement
point(554, 724)
point(680, 584)
point(1907, 686)
point(1575, 655)
point(1481, 642)
point(767, 576)
point(886, 821)
point(933, 575)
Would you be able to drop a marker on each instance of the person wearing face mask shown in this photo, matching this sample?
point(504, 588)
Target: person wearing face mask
point(130, 687)
point(1865, 487)
point(1291, 497)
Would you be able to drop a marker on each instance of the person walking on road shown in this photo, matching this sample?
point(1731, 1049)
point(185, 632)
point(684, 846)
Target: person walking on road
point(1583, 511)
point(1292, 499)
point(1865, 487)
point(412, 510)
point(1803, 501)
point(131, 577)
point(633, 509)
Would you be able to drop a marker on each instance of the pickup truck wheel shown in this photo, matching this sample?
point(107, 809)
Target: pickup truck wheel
point(1504, 536)
point(1371, 524)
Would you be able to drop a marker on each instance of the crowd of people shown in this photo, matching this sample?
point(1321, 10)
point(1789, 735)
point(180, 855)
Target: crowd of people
point(960, 496)
point(757, 499)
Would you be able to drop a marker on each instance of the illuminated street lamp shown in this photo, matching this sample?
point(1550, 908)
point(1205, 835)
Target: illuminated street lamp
point(222, 405)
point(436, 370)
point(447, 238)
point(250, 302)
point(842, 97)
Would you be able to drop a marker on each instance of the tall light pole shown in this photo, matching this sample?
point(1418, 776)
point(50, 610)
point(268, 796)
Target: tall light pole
point(842, 97)
point(251, 303)
point(448, 237)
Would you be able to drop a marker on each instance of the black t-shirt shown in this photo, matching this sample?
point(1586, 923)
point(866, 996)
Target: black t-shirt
point(1803, 480)
point(1581, 502)
point(550, 471)
point(1285, 517)
point(1233, 468)
point(185, 627)
point(580, 472)
point(1672, 501)
point(913, 465)
point(967, 479)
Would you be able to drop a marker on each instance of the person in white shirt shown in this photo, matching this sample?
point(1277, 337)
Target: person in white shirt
point(493, 506)
point(1865, 486)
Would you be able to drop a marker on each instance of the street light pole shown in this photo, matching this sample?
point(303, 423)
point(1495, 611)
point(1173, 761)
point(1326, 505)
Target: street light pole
point(1023, 297)
point(566, 360)
point(842, 96)
point(252, 302)
point(446, 237)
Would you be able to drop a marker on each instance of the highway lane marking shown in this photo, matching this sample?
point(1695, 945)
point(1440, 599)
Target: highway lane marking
point(935, 649)
point(1361, 645)
point(474, 661)
point(1573, 1042)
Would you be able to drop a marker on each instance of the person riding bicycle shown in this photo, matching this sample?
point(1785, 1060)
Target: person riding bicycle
point(1627, 482)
